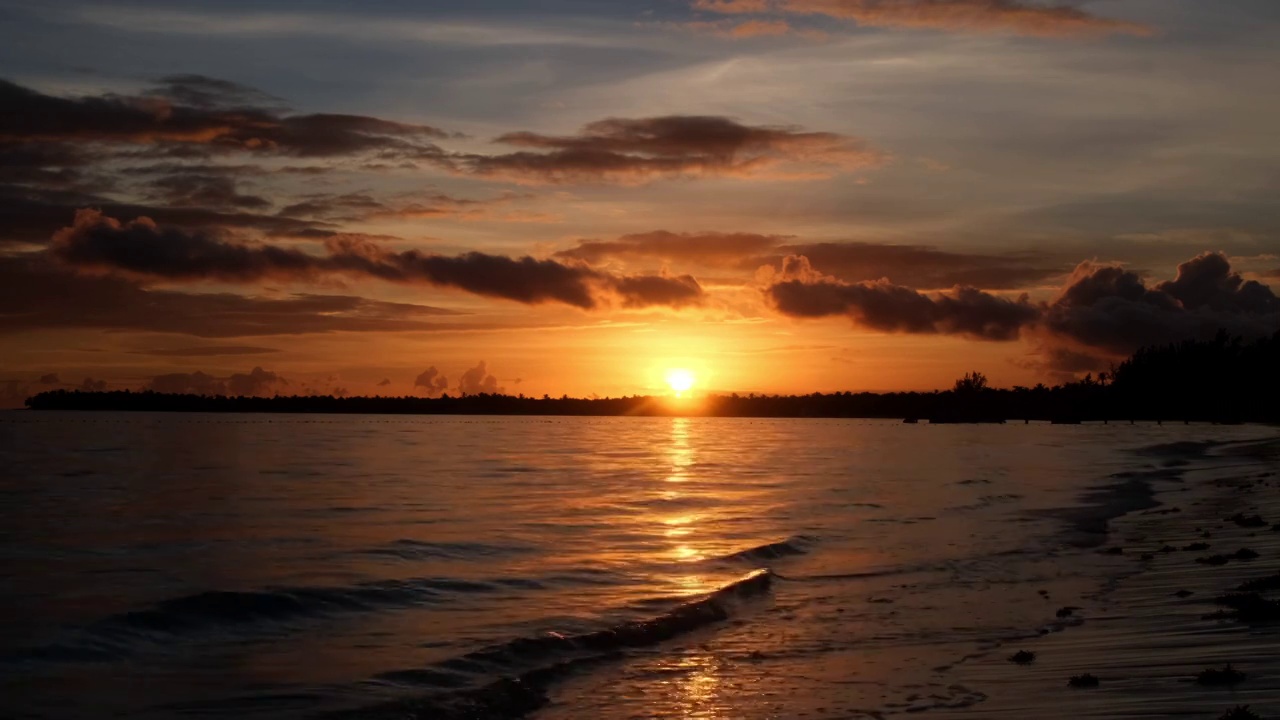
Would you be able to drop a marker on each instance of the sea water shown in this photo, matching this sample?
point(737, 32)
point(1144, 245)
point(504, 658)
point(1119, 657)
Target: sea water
point(171, 565)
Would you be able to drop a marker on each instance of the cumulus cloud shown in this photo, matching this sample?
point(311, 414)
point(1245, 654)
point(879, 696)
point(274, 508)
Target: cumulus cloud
point(1113, 311)
point(431, 381)
point(385, 382)
point(142, 249)
point(639, 150)
point(1019, 17)
point(255, 382)
point(881, 305)
point(478, 380)
point(1102, 313)
point(50, 379)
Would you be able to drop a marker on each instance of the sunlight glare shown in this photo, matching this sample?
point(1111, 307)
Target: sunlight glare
point(680, 380)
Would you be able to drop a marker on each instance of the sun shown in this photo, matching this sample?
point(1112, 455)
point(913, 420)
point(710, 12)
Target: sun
point(680, 380)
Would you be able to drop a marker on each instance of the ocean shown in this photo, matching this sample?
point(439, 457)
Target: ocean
point(275, 566)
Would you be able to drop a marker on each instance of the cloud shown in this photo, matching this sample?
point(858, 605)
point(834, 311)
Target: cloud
point(1102, 313)
point(50, 379)
point(1018, 17)
point(208, 351)
point(920, 266)
point(37, 295)
point(31, 215)
point(881, 305)
point(352, 207)
point(705, 248)
point(196, 383)
point(257, 382)
point(478, 380)
point(1111, 311)
point(194, 189)
point(632, 151)
point(142, 249)
point(91, 385)
point(385, 382)
point(432, 382)
point(747, 28)
point(201, 91)
point(912, 265)
point(162, 124)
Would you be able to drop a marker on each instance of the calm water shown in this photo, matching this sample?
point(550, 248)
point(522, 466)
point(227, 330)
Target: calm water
point(232, 566)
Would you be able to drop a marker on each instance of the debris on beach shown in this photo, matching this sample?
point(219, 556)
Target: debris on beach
point(1113, 551)
point(1023, 657)
point(1245, 554)
point(1216, 677)
point(1196, 547)
point(1067, 611)
point(1247, 521)
point(1183, 593)
point(1213, 560)
point(1083, 681)
point(1240, 712)
point(1148, 556)
point(1168, 549)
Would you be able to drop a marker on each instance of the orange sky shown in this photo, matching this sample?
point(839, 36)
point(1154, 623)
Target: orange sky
point(779, 195)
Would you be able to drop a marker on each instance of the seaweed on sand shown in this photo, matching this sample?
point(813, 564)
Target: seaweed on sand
point(1083, 681)
point(1240, 712)
point(1023, 657)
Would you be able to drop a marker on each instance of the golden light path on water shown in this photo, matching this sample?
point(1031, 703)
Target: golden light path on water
point(695, 682)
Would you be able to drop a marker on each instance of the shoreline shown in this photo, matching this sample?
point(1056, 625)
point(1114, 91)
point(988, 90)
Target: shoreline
point(1148, 633)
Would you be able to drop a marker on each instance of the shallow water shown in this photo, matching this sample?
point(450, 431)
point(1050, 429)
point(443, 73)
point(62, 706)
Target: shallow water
point(233, 566)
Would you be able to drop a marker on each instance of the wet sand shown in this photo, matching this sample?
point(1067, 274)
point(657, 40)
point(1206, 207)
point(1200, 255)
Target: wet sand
point(1102, 603)
point(1148, 635)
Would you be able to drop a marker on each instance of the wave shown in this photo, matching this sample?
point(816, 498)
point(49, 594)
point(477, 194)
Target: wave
point(529, 665)
point(406, 549)
point(772, 551)
point(280, 609)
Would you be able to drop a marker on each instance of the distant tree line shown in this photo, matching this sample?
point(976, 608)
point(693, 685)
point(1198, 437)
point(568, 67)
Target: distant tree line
point(1222, 380)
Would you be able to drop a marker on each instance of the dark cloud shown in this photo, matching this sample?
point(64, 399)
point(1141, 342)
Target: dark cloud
point(639, 150)
point(431, 381)
point(1111, 310)
point(911, 265)
point(141, 248)
point(50, 379)
point(478, 380)
point(385, 382)
point(163, 124)
point(201, 91)
point(1012, 16)
point(195, 189)
point(208, 351)
point(37, 295)
point(31, 215)
point(881, 305)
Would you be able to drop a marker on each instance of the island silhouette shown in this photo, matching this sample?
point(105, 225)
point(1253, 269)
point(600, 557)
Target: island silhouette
point(1224, 380)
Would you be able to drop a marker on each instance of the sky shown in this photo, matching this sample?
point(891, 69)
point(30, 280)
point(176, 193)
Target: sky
point(577, 196)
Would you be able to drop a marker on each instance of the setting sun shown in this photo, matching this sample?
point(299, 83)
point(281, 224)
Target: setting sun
point(680, 381)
